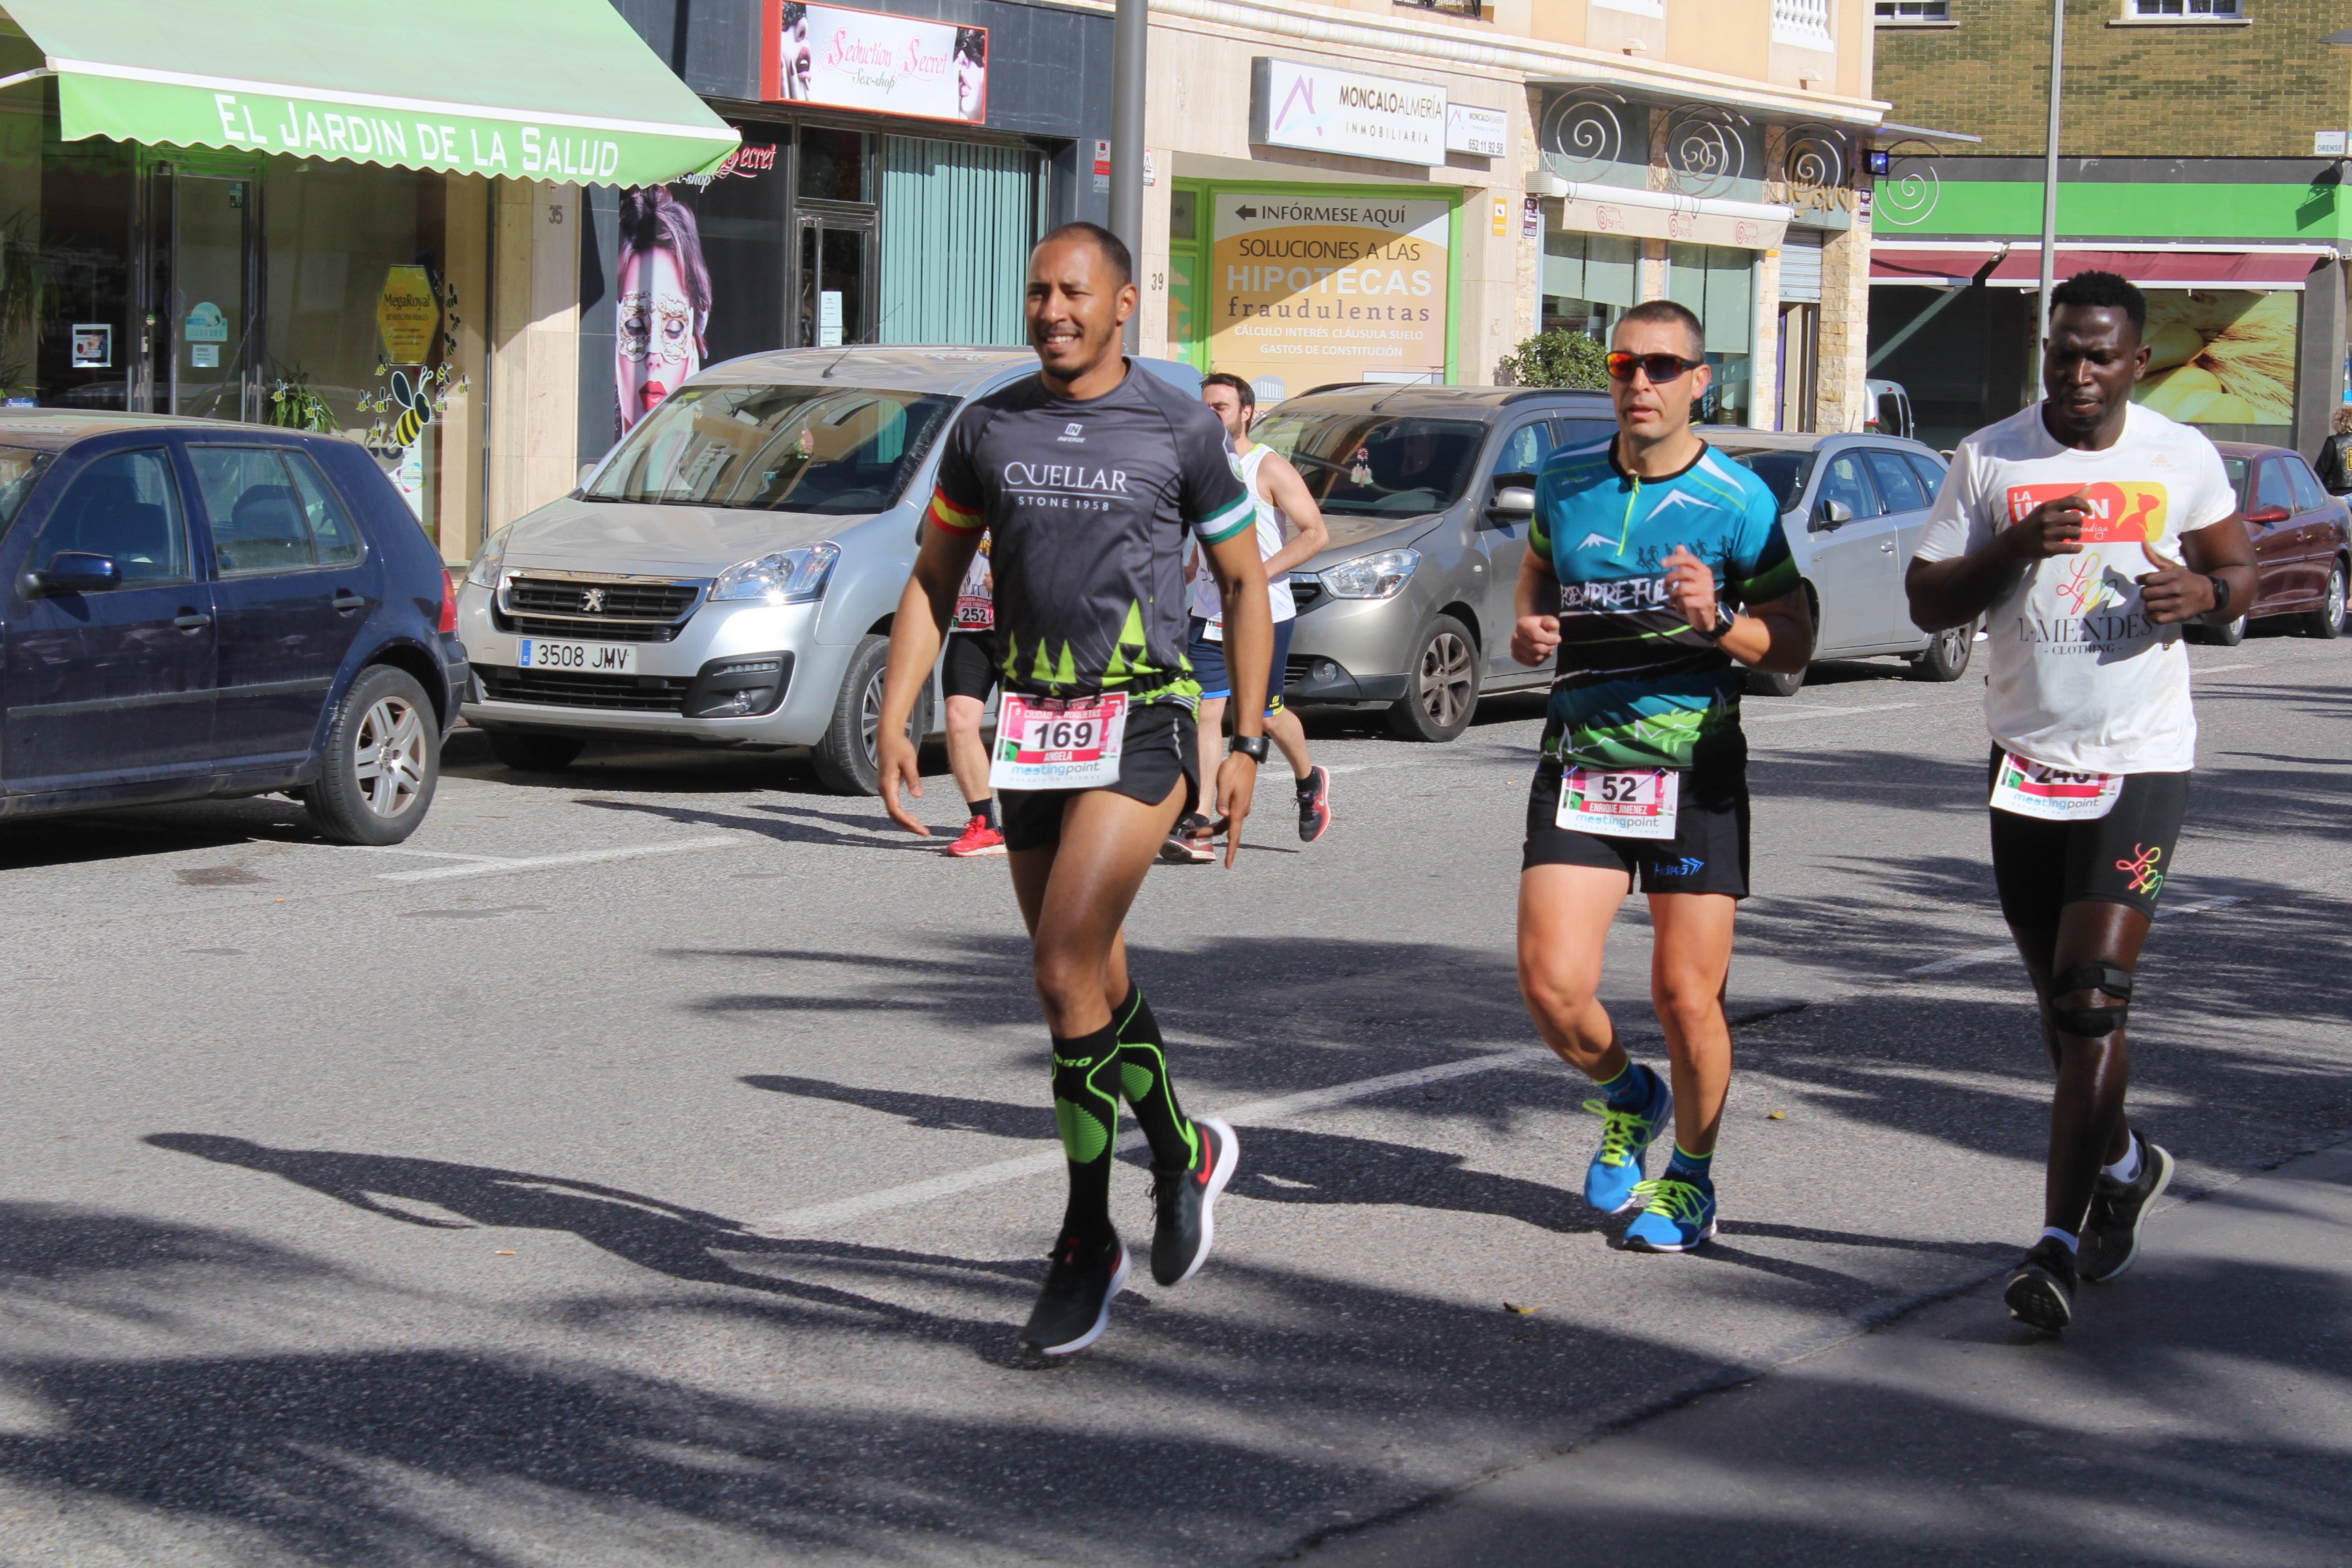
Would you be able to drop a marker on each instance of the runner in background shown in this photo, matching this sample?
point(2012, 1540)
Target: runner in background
point(1283, 504)
point(1089, 478)
point(968, 673)
point(2087, 527)
point(1637, 553)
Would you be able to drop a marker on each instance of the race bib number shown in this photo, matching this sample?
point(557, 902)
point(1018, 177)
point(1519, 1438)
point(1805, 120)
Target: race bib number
point(1621, 804)
point(974, 615)
point(1047, 744)
point(1216, 630)
point(2033, 789)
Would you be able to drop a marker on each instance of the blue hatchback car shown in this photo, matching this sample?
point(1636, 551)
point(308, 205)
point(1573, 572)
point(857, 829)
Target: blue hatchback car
point(190, 608)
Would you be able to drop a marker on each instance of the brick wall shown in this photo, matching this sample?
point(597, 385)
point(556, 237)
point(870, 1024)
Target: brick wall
point(2253, 92)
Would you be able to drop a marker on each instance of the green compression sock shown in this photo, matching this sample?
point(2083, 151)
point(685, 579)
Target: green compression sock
point(1143, 1074)
point(1086, 1109)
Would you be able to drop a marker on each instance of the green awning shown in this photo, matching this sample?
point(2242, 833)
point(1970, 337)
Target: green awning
point(547, 90)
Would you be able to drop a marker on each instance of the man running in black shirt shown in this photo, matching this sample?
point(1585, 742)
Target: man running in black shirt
point(1087, 478)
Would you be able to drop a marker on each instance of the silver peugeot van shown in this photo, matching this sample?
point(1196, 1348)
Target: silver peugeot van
point(727, 575)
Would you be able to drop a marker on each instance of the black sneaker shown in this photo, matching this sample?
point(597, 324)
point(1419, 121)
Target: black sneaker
point(1190, 842)
point(1314, 803)
point(2042, 1291)
point(1187, 1201)
point(2111, 1240)
point(1072, 1311)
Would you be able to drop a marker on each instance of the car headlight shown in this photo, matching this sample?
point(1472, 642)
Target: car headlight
point(1376, 577)
point(489, 560)
point(786, 577)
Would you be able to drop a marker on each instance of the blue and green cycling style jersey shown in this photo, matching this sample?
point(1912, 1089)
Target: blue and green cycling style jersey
point(1636, 687)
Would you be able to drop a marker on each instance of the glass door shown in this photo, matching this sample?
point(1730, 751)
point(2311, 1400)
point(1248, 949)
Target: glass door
point(836, 269)
point(207, 291)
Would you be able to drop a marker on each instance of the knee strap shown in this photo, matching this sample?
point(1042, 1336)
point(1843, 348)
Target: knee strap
point(2092, 1023)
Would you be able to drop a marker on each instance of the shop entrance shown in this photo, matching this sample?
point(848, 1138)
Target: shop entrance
point(203, 300)
point(835, 304)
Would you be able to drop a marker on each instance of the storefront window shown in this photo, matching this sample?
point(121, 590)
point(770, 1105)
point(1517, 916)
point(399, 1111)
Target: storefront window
point(1717, 283)
point(833, 164)
point(1588, 278)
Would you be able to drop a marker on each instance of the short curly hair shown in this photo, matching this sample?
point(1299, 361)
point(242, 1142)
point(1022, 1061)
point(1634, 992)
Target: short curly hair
point(2104, 291)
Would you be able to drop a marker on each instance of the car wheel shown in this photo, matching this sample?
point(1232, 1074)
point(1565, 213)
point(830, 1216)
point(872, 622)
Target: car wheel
point(1765, 683)
point(2228, 635)
point(1946, 656)
point(845, 758)
point(2327, 621)
point(382, 760)
point(532, 753)
point(1441, 689)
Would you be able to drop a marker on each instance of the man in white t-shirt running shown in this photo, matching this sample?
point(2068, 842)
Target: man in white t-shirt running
point(968, 674)
point(2087, 529)
point(1290, 533)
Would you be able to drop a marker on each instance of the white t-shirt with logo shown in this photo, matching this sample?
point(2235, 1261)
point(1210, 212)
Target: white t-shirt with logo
point(2080, 677)
point(1272, 528)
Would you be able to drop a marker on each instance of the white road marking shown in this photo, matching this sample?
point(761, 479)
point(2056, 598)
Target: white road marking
point(1256, 1113)
point(541, 862)
point(1367, 767)
point(1977, 955)
point(1779, 716)
point(2219, 668)
point(434, 854)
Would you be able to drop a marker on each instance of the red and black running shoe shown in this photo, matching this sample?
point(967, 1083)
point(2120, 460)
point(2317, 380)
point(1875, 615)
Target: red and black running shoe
point(1314, 803)
point(1187, 1201)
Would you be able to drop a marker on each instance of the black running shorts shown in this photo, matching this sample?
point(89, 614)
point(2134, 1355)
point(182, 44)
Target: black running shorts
point(2122, 857)
point(1159, 747)
point(970, 668)
point(1707, 854)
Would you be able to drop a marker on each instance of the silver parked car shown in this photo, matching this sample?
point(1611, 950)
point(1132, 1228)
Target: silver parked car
point(1428, 492)
point(1854, 508)
point(728, 574)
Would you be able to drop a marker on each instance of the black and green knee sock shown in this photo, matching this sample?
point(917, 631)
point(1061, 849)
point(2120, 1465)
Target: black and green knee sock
point(1143, 1074)
point(1086, 1109)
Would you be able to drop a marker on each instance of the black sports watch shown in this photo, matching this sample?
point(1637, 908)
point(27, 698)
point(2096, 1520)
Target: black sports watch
point(1250, 746)
point(1722, 627)
point(2221, 593)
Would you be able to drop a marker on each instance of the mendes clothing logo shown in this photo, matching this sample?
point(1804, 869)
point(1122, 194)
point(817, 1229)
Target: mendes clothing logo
point(2129, 511)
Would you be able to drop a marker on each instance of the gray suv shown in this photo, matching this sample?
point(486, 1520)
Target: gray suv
point(727, 575)
point(1429, 492)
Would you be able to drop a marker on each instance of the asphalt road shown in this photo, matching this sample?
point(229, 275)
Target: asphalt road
point(650, 1163)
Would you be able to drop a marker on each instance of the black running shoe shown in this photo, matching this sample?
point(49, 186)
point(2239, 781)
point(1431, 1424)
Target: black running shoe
point(1187, 1201)
point(1314, 803)
point(1190, 842)
point(2042, 1291)
point(1084, 1279)
point(2111, 1240)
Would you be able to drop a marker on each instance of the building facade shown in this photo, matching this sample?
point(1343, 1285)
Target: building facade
point(1343, 190)
point(2202, 147)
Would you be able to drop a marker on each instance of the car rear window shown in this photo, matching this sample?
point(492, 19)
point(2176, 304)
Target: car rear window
point(832, 450)
point(1369, 465)
point(2236, 469)
point(1782, 470)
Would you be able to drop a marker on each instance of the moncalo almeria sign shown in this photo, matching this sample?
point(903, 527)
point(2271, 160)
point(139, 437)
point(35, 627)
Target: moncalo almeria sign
point(1320, 111)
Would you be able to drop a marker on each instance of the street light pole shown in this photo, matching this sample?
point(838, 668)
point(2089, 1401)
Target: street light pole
point(2050, 167)
point(1131, 30)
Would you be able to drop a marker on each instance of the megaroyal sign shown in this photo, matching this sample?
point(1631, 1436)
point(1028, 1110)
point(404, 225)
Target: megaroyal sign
point(1306, 290)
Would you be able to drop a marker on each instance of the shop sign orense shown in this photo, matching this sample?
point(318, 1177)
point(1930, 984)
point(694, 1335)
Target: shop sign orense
point(1321, 111)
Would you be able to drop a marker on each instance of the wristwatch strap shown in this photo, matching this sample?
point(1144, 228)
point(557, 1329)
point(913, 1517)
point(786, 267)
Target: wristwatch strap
point(1250, 746)
point(2221, 592)
point(1722, 627)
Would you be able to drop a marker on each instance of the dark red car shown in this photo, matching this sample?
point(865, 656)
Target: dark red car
point(2302, 543)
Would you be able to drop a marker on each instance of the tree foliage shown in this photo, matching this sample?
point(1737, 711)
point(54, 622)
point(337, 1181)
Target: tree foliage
point(1559, 359)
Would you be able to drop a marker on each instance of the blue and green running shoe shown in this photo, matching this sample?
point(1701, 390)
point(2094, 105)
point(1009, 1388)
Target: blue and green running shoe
point(1626, 1136)
point(1681, 1214)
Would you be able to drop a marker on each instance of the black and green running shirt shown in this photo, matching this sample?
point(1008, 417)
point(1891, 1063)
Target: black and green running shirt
point(1087, 504)
point(1636, 687)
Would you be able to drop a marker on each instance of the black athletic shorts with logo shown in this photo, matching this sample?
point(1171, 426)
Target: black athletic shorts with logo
point(2122, 857)
point(1707, 854)
point(970, 668)
point(1159, 748)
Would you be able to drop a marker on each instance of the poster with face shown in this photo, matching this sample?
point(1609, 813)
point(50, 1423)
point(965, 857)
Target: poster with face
point(663, 301)
point(866, 59)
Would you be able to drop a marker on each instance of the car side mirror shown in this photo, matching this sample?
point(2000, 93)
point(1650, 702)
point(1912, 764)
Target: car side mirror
point(1831, 513)
point(1512, 502)
point(73, 572)
point(2268, 516)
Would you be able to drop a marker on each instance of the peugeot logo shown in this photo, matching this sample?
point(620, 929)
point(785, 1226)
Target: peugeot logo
point(592, 601)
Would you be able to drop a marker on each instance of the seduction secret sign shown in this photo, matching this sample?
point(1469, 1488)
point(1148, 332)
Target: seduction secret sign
point(864, 59)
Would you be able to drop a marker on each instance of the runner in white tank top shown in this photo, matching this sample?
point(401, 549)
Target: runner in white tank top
point(1290, 533)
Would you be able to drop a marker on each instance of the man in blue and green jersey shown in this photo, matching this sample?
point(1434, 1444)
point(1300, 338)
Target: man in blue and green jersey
point(1640, 551)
